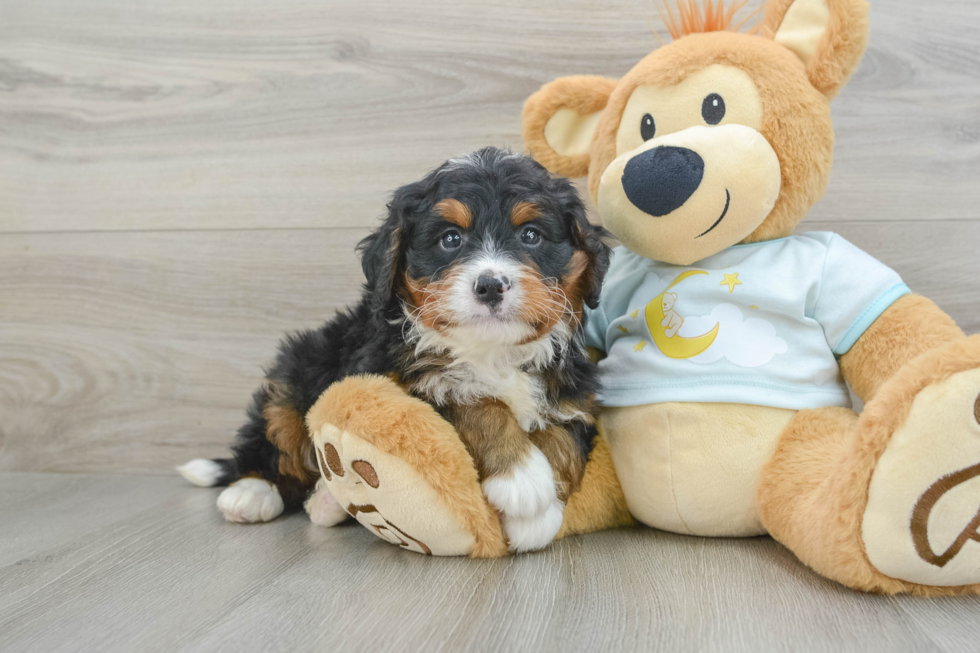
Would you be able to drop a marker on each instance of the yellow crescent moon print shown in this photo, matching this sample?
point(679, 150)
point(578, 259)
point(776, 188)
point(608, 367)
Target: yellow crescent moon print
point(678, 346)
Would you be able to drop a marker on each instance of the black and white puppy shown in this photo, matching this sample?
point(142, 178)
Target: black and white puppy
point(474, 300)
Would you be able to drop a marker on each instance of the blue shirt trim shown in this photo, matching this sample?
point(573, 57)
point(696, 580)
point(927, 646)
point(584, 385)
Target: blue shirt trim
point(728, 390)
point(868, 317)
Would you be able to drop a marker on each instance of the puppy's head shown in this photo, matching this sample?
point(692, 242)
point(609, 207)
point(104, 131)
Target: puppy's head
point(488, 244)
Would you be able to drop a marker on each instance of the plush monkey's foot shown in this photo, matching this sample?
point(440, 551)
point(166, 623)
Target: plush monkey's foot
point(399, 469)
point(888, 501)
point(922, 520)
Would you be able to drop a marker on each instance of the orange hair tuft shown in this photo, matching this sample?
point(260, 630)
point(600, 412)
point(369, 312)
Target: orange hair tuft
point(701, 16)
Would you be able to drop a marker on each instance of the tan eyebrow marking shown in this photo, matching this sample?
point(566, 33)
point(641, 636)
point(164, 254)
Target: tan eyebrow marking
point(456, 212)
point(523, 212)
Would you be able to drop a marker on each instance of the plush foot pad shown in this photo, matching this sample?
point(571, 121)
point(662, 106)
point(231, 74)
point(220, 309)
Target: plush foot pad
point(395, 465)
point(923, 514)
point(387, 496)
point(528, 504)
point(250, 501)
point(322, 508)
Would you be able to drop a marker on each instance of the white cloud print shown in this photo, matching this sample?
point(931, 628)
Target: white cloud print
point(746, 343)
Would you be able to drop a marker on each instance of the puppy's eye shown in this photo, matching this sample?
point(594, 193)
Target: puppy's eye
point(451, 239)
point(531, 236)
point(713, 109)
point(648, 128)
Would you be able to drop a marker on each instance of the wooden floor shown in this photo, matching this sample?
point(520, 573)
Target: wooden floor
point(181, 182)
point(147, 564)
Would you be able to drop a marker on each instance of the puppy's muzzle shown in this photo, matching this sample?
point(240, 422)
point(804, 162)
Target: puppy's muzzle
point(661, 180)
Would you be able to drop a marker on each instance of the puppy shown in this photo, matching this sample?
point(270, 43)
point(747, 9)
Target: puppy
point(476, 283)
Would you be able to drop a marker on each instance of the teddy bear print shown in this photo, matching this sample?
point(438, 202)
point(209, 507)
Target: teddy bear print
point(672, 321)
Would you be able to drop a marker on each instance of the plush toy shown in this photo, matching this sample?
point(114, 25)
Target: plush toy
point(727, 338)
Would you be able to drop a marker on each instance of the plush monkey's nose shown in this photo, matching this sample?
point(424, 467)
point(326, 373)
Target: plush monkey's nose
point(660, 180)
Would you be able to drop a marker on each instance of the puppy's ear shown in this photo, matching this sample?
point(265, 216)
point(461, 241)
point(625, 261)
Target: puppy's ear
point(382, 252)
point(829, 36)
point(588, 239)
point(560, 120)
point(592, 244)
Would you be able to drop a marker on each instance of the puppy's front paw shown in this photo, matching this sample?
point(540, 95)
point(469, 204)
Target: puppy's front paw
point(533, 533)
point(323, 508)
point(525, 492)
point(250, 500)
point(530, 511)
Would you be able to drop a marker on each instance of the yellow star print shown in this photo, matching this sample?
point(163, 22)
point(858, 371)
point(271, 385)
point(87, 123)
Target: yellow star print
point(731, 280)
point(622, 328)
point(634, 313)
point(640, 345)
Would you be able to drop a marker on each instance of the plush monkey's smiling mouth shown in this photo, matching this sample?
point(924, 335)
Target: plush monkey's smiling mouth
point(728, 202)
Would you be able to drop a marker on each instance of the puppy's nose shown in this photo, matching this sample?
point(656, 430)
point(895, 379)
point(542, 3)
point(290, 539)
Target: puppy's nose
point(660, 180)
point(490, 289)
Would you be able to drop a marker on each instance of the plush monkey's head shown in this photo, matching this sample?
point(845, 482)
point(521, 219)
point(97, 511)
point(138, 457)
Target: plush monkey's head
point(718, 138)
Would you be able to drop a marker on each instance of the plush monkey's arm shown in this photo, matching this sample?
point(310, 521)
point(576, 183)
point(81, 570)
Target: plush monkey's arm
point(909, 327)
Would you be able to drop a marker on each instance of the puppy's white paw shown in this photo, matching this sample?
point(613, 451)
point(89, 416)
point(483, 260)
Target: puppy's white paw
point(533, 533)
point(323, 508)
point(527, 492)
point(250, 500)
point(531, 513)
point(201, 472)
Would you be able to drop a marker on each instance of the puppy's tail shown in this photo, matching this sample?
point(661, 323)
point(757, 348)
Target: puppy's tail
point(208, 473)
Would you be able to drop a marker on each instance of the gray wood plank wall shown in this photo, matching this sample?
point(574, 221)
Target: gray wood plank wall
point(181, 182)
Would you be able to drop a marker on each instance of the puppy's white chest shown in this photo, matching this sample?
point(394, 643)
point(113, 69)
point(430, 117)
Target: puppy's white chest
point(482, 369)
point(523, 393)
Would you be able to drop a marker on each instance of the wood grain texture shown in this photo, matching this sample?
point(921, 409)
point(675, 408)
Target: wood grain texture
point(147, 564)
point(224, 114)
point(183, 182)
point(131, 351)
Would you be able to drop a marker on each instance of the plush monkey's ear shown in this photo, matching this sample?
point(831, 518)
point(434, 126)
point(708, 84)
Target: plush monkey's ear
point(829, 36)
point(560, 119)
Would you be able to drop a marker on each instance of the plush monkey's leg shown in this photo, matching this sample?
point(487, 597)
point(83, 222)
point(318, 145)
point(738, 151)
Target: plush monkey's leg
point(599, 503)
point(889, 501)
point(808, 504)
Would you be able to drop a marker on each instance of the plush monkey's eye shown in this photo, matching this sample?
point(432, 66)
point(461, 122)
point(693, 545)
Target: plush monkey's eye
point(647, 127)
point(713, 109)
point(451, 239)
point(531, 236)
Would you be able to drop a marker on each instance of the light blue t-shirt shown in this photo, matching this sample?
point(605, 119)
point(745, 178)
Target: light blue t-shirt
point(754, 324)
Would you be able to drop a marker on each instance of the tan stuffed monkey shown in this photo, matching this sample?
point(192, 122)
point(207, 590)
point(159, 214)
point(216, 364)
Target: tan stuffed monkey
point(728, 339)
